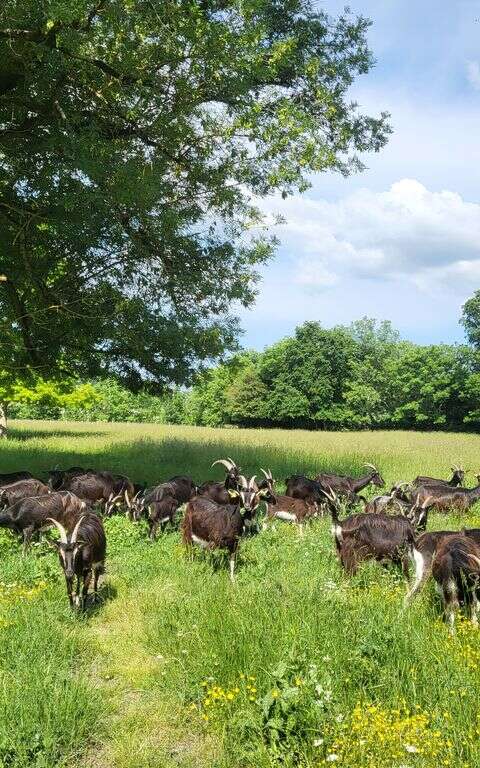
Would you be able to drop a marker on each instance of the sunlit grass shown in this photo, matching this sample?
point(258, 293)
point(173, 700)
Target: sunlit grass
point(333, 665)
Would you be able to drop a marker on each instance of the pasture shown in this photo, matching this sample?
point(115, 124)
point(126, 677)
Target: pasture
point(294, 664)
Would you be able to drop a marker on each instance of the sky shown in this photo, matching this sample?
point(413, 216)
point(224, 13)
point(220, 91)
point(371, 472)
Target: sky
point(400, 241)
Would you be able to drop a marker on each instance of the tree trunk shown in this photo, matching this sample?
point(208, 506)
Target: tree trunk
point(3, 420)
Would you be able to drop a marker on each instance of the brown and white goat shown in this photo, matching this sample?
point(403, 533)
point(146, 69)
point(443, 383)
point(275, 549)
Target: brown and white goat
point(220, 526)
point(82, 554)
point(290, 510)
point(456, 569)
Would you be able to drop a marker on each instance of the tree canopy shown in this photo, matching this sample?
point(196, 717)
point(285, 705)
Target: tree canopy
point(133, 138)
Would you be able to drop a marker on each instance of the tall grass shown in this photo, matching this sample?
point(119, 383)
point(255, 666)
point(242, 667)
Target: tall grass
point(293, 665)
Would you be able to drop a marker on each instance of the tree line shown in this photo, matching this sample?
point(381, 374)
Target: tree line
point(358, 377)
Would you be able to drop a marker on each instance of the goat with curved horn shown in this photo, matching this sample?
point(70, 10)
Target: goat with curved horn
point(60, 528)
point(74, 535)
point(227, 463)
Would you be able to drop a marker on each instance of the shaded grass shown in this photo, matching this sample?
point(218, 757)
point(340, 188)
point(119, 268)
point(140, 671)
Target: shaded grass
point(130, 674)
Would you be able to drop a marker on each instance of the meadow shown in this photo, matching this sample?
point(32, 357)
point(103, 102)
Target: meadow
point(292, 665)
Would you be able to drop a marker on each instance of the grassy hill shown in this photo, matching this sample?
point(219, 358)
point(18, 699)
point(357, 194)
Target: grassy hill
point(293, 665)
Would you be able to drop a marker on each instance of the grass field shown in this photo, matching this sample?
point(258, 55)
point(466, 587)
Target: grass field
point(293, 665)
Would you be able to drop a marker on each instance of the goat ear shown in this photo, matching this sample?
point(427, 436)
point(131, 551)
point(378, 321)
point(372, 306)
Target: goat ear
point(233, 494)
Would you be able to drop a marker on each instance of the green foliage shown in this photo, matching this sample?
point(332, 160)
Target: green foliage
point(134, 137)
point(361, 376)
point(343, 378)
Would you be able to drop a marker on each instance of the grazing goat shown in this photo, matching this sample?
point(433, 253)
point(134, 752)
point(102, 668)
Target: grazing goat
point(457, 478)
point(219, 492)
point(218, 526)
point(161, 505)
point(372, 537)
point(301, 487)
point(56, 477)
point(101, 488)
point(445, 499)
point(13, 477)
point(350, 486)
point(427, 545)
point(30, 515)
point(180, 488)
point(291, 510)
point(456, 569)
point(81, 554)
point(22, 489)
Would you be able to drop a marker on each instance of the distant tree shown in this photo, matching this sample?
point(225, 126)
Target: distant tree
point(133, 136)
point(470, 319)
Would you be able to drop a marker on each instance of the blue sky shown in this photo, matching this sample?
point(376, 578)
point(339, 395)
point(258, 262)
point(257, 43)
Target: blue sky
point(401, 241)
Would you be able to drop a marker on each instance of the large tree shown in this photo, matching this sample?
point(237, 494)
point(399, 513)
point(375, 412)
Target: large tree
point(134, 135)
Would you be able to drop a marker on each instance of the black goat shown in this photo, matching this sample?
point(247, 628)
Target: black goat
point(457, 478)
point(456, 569)
point(219, 492)
point(56, 477)
point(426, 546)
point(158, 501)
point(13, 477)
point(22, 489)
point(30, 515)
point(348, 487)
point(82, 554)
point(102, 488)
point(442, 498)
point(301, 487)
point(220, 526)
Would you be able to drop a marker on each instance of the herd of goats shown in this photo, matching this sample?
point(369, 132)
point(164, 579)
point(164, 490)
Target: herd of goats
point(390, 527)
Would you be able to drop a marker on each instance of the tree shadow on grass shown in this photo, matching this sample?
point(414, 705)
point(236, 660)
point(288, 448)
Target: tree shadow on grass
point(27, 434)
point(151, 461)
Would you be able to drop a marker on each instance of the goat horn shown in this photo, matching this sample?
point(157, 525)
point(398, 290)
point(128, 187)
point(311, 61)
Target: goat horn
point(268, 476)
point(230, 459)
point(251, 482)
point(454, 468)
point(242, 481)
point(330, 494)
point(371, 466)
point(74, 535)
point(226, 463)
point(61, 530)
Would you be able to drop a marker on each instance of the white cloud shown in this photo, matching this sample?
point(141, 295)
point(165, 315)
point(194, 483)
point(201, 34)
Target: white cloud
point(408, 233)
point(473, 74)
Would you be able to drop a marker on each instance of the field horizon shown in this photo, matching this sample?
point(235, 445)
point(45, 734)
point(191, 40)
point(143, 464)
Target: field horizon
point(292, 665)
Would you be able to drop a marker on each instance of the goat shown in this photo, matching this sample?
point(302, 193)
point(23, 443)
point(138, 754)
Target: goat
point(372, 537)
point(13, 477)
point(161, 504)
point(456, 569)
point(22, 489)
point(426, 546)
point(56, 477)
point(27, 516)
point(101, 488)
point(268, 483)
point(219, 492)
point(443, 498)
point(217, 526)
point(181, 488)
point(350, 486)
point(457, 478)
point(301, 487)
point(291, 510)
point(81, 554)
